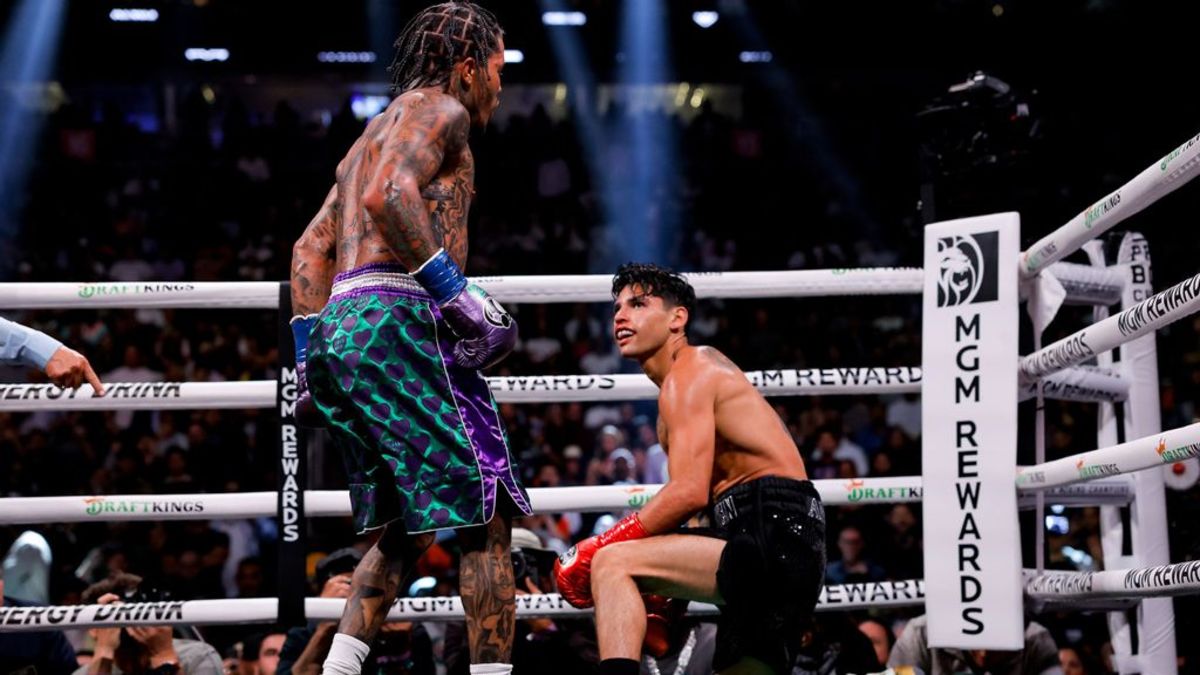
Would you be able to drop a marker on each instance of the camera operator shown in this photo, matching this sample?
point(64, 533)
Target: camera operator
point(142, 650)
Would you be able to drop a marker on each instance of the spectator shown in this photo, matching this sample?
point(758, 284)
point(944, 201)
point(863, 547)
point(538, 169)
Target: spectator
point(1070, 662)
point(880, 637)
point(44, 652)
point(852, 568)
point(142, 649)
point(1039, 656)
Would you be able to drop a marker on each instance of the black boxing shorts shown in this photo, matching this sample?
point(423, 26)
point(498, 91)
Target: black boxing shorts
point(772, 569)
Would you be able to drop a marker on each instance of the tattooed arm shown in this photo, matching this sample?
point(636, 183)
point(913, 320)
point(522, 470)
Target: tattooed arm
point(432, 128)
point(313, 258)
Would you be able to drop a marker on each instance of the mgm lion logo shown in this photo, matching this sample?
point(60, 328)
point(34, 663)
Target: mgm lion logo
point(966, 269)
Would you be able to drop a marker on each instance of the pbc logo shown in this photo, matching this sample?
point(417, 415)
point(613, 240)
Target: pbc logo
point(967, 269)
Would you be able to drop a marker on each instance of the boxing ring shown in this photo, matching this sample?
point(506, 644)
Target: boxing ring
point(1125, 473)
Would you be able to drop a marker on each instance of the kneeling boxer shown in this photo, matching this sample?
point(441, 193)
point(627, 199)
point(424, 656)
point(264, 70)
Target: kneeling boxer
point(764, 563)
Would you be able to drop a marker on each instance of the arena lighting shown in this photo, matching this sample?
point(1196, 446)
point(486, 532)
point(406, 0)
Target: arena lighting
point(206, 54)
point(564, 18)
point(346, 57)
point(514, 56)
point(577, 89)
point(705, 19)
point(755, 57)
point(28, 51)
point(132, 15)
point(644, 228)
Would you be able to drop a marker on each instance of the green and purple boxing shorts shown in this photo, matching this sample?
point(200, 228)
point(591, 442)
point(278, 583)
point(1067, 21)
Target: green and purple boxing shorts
point(421, 438)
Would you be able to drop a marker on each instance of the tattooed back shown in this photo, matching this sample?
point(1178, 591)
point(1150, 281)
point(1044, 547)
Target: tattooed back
point(423, 133)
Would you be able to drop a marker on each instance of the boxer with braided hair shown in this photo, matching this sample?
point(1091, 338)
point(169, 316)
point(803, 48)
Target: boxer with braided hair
point(390, 337)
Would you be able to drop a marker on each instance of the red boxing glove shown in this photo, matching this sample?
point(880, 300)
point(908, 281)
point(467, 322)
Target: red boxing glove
point(660, 614)
point(573, 569)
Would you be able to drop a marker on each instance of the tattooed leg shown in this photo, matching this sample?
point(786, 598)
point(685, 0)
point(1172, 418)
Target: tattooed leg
point(377, 579)
point(488, 591)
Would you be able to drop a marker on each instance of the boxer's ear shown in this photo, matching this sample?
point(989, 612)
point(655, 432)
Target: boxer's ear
point(468, 70)
point(679, 318)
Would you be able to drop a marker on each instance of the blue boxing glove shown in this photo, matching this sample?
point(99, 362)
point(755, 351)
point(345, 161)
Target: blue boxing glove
point(486, 333)
point(307, 413)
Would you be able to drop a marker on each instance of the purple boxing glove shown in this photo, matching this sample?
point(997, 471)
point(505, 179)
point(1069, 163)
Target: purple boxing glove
point(307, 413)
point(486, 333)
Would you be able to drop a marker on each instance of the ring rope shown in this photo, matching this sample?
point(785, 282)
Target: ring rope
point(336, 503)
point(1156, 181)
point(1147, 316)
point(1159, 581)
point(1088, 286)
point(842, 597)
point(1168, 447)
point(1088, 384)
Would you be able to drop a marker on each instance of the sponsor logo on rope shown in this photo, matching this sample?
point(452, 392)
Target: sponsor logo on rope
point(1031, 478)
point(833, 377)
point(967, 269)
point(1067, 391)
point(526, 604)
point(856, 491)
point(553, 383)
point(97, 506)
point(1096, 470)
point(873, 593)
point(1062, 584)
point(124, 390)
point(1034, 260)
point(1163, 576)
point(1101, 208)
point(1174, 154)
point(1157, 307)
point(114, 614)
point(1175, 454)
point(1060, 354)
point(638, 496)
point(109, 290)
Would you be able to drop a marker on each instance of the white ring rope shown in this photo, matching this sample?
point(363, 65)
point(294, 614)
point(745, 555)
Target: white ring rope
point(1146, 582)
point(842, 597)
point(1089, 384)
point(1157, 181)
point(1082, 384)
point(1164, 580)
point(507, 289)
point(1087, 285)
point(336, 503)
point(1147, 452)
point(1081, 288)
point(140, 396)
point(1145, 317)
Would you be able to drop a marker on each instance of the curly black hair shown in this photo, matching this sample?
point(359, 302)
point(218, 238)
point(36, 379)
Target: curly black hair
point(438, 38)
point(661, 282)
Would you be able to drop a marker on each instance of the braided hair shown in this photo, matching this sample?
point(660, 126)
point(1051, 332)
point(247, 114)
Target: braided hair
point(438, 38)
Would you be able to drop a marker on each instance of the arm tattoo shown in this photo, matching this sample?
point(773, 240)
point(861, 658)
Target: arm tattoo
point(314, 256)
point(488, 593)
point(431, 131)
